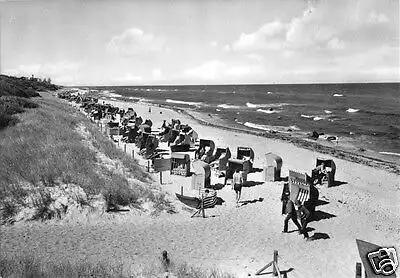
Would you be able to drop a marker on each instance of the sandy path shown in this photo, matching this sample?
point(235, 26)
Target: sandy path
point(239, 240)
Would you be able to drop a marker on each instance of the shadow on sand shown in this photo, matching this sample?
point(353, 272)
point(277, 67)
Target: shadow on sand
point(320, 215)
point(252, 183)
point(246, 202)
point(338, 183)
point(283, 272)
point(317, 236)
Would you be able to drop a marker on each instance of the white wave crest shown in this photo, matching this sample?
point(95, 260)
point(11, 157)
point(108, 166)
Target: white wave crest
point(251, 105)
point(390, 153)
point(352, 110)
point(317, 118)
point(228, 106)
point(267, 111)
point(337, 95)
point(256, 126)
point(267, 105)
point(307, 116)
point(183, 102)
point(328, 112)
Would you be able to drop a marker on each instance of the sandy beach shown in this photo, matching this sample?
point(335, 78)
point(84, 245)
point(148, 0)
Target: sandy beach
point(238, 240)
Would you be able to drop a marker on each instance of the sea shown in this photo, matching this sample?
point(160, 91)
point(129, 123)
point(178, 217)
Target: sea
point(367, 114)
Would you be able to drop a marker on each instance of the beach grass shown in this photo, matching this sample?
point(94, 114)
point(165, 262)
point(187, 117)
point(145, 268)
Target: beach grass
point(45, 149)
point(28, 266)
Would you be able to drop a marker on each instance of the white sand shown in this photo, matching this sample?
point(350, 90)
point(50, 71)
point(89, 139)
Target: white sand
point(238, 240)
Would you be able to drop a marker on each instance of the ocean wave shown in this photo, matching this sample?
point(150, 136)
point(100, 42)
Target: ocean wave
point(307, 116)
point(110, 94)
point(269, 105)
point(184, 102)
point(268, 111)
point(256, 126)
point(317, 118)
point(390, 153)
point(219, 110)
point(251, 105)
point(269, 93)
point(352, 110)
point(328, 112)
point(140, 99)
point(337, 95)
point(228, 106)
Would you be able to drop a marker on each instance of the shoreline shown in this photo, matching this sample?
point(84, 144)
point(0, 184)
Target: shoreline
point(297, 141)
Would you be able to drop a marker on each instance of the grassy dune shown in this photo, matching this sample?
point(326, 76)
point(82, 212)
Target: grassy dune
point(46, 149)
point(29, 267)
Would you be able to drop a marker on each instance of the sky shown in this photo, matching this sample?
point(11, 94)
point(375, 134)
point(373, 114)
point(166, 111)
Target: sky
point(161, 42)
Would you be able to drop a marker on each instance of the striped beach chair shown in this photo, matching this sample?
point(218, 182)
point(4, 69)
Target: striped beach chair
point(208, 199)
point(299, 187)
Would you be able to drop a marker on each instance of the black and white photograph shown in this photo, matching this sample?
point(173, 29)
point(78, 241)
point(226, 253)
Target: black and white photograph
point(200, 138)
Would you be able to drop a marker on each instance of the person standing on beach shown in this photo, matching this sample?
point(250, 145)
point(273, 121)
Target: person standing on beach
point(304, 214)
point(291, 214)
point(237, 184)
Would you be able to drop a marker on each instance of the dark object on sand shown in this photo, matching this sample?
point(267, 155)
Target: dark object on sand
point(192, 202)
point(314, 135)
point(180, 164)
point(222, 155)
point(165, 261)
point(205, 151)
point(324, 172)
point(243, 161)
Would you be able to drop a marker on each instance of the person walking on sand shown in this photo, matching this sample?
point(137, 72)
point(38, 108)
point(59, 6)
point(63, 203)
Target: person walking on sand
point(291, 214)
point(237, 184)
point(304, 214)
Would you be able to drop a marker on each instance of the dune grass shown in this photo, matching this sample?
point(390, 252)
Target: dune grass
point(45, 149)
point(29, 267)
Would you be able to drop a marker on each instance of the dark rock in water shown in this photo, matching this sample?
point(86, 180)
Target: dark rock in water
point(290, 130)
point(315, 135)
point(279, 117)
point(160, 112)
point(362, 149)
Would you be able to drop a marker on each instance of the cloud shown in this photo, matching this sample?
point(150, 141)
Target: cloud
point(254, 56)
point(47, 69)
point(213, 70)
point(243, 71)
point(268, 36)
point(336, 44)
point(323, 24)
point(209, 70)
point(135, 41)
point(129, 78)
point(214, 44)
point(375, 17)
point(227, 48)
point(158, 75)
